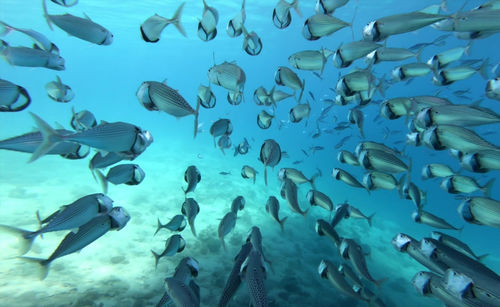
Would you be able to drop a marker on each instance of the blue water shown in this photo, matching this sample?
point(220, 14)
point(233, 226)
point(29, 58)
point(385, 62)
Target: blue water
point(105, 79)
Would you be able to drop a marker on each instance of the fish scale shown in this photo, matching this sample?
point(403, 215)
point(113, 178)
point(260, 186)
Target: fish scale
point(169, 100)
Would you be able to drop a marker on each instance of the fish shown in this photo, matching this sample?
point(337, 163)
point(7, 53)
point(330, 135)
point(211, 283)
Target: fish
point(252, 44)
point(264, 119)
point(234, 280)
point(317, 198)
point(395, 108)
point(379, 180)
point(190, 210)
point(351, 251)
point(438, 42)
point(234, 98)
point(346, 270)
point(289, 189)
point(207, 25)
point(253, 272)
point(82, 28)
point(328, 6)
point(379, 160)
point(368, 145)
point(299, 112)
point(446, 57)
point(129, 174)
point(296, 176)
point(182, 294)
point(82, 120)
point(152, 27)
point(226, 225)
point(70, 216)
point(480, 211)
point(281, 13)
point(342, 175)
point(328, 270)
point(158, 96)
point(270, 155)
point(192, 176)
point(224, 173)
point(493, 89)
point(411, 70)
point(206, 98)
point(342, 141)
point(434, 170)
point(286, 77)
point(110, 137)
point(248, 172)
point(238, 204)
point(347, 157)
point(355, 116)
point(357, 214)
point(242, 148)
point(235, 25)
point(312, 60)
point(224, 143)
point(427, 218)
point(456, 184)
point(220, 127)
point(87, 233)
point(346, 54)
point(176, 223)
point(273, 207)
point(476, 21)
point(447, 76)
point(456, 244)
point(58, 91)
point(13, 97)
point(228, 75)
point(65, 3)
point(341, 212)
point(30, 57)
point(40, 41)
point(384, 27)
point(387, 54)
point(323, 228)
point(255, 237)
point(320, 25)
point(102, 161)
point(481, 161)
point(173, 245)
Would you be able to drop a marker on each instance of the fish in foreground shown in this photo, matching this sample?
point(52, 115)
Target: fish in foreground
point(328, 270)
point(220, 127)
point(253, 272)
point(378, 160)
point(378, 180)
point(158, 96)
point(323, 228)
point(181, 293)
point(481, 161)
point(152, 27)
point(310, 59)
point(207, 26)
point(187, 269)
point(177, 223)
point(13, 97)
point(115, 219)
point(190, 210)
point(436, 170)
point(40, 41)
point(248, 172)
point(30, 57)
point(281, 13)
point(456, 184)
point(480, 211)
point(252, 44)
point(117, 137)
point(192, 176)
point(357, 214)
point(427, 218)
point(234, 280)
point(264, 119)
point(270, 155)
point(226, 225)
point(284, 76)
point(351, 251)
point(71, 216)
point(273, 207)
point(297, 176)
point(83, 28)
point(456, 244)
point(228, 75)
point(235, 26)
point(173, 245)
point(206, 97)
point(317, 198)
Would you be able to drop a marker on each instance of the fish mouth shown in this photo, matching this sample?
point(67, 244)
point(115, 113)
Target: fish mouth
point(401, 242)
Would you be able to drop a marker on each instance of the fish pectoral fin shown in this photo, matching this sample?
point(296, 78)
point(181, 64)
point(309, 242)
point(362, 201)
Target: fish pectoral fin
point(86, 16)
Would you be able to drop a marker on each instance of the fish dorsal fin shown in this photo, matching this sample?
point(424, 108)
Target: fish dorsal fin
point(86, 17)
point(103, 122)
point(432, 9)
point(58, 80)
point(59, 126)
point(164, 81)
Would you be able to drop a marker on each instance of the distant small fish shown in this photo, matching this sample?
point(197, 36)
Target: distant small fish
point(297, 162)
point(225, 173)
point(58, 91)
point(173, 245)
point(312, 96)
point(313, 149)
point(342, 141)
point(305, 152)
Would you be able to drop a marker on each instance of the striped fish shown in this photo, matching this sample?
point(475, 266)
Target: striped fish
point(253, 272)
point(233, 281)
point(228, 75)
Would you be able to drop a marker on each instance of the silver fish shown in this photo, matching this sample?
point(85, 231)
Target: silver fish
point(317, 198)
point(427, 218)
point(348, 53)
point(270, 155)
point(329, 271)
point(102, 161)
point(456, 184)
point(238, 204)
point(41, 42)
point(83, 28)
point(341, 212)
point(190, 210)
point(264, 119)
point(379, 160)
point(281, 13)
point(152, 27)
point(289, 189)
point(226, 225)
point(29, 57)
point(323, 228)
point(182, 294)
point(253, 272)
point(13, 97)
point(328, 6)
point(192, 176)
point(207, 26)
point(356, 116)
point(224, 142)
point(456, 244)
point(228, 75)
point(444, 58)
point(296, 176)
point(82, 120)
point(248, 172)
point(477, 21)
point(493, 89)
point(206, 97)
point(299, 112)
point(310, 59)
point(286, 77)
point(234, 280)
point(411, 70)
point(447, 76)
point(340, 174)
point(158, 96)
point(252, 44)
point(220, 127)
point(273, 207)
point(173, 245)
point(351, 251)
point(177, 223)
point(234, 98)
point(347, 157)
point(235, 26)
point(129, 174)
point(357, 214)
point(242, 148)
point(378, 180)
point(116, 219)
point(481, 161)
point(255, 237)
point(319, 25)
point(386, 54)
point(58, 91)
point(436, 170)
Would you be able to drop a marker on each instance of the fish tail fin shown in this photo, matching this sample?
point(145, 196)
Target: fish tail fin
point(5, 29)
point(193, 229)
point(480, 258)
point(196, 116)
point(39, 219)
point(265, 175)
point(223, 243)
point(418, 54)
point(369, 219)
point(379, 282)
point(351, 25)
point(487, 187)
point(381, 86)
point(50, 138)
point(160, 226)
point(46, 14)
point(254, 179)
point(176, 19)
point(102, 180)
point(467, 48)
point(304, 213)
point(157, 258)
point(42, 268)
point(400, 184)
point(24, 237)
point(313, 178)
point(302, 90)
point(483, 70)
point(295, 5)
point(282, 223)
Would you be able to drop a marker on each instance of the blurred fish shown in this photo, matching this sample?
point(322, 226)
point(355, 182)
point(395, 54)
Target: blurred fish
point(13, 97)
point(366, 145)
point(379, 160)
point(394, 108)
point(40, 41)
point(278, 95)
point(242, 148)
point(340, 174)
point(447, 76)
point(255, 237)
point(341, 212)
point(261, 96)
point(299, 112)
point(116, 219)
point(270, 155)
point(190, 209)
point(382, 28)
point(296, 176)
point(317, 198)
point(234, 280)
point(444, 58)
point(206, 97)
point(182, 294)
point(457, 184)
point(173, 245)
point(438, 42)
point(30, 57)
point(456, 244)
point(328, 6)
point(253, 272)
point(273, 207)
point(297, 162)
point(264, 119)
point(102, 161)
point(238, 204)
point(480, 211)
point(281, 13)
point(357, 214)
point(347, 157)
point(329, 271)
point(386, 54)
point(493, 89)
point(248, 172)
point(412, 70)
point(355, 116)
point(323, 228)
point(319, 25)
point(235, 26)
point(192, 177)
point(129, 174)
point(158, 96)
point(252, 44)
point(351, 251)
point(289, 189)
point(177, 223)
point(58, 91)
point(476, 21)
point(346, 270)
point(83, 28)
point(224, 173)
point(228, 75)
point(207, 25)
point(310, 59)
point(286, 77)
point(348, 53)
point(152, 27)
point(82, 120)
point(436, 170)
point(481, 161)
point(226, 225)
point(427, 218)
point(65, 3)
point(224, 143)
point(220, 127)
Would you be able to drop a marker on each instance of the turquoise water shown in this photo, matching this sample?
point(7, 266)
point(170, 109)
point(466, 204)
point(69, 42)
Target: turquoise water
point(118, 269)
